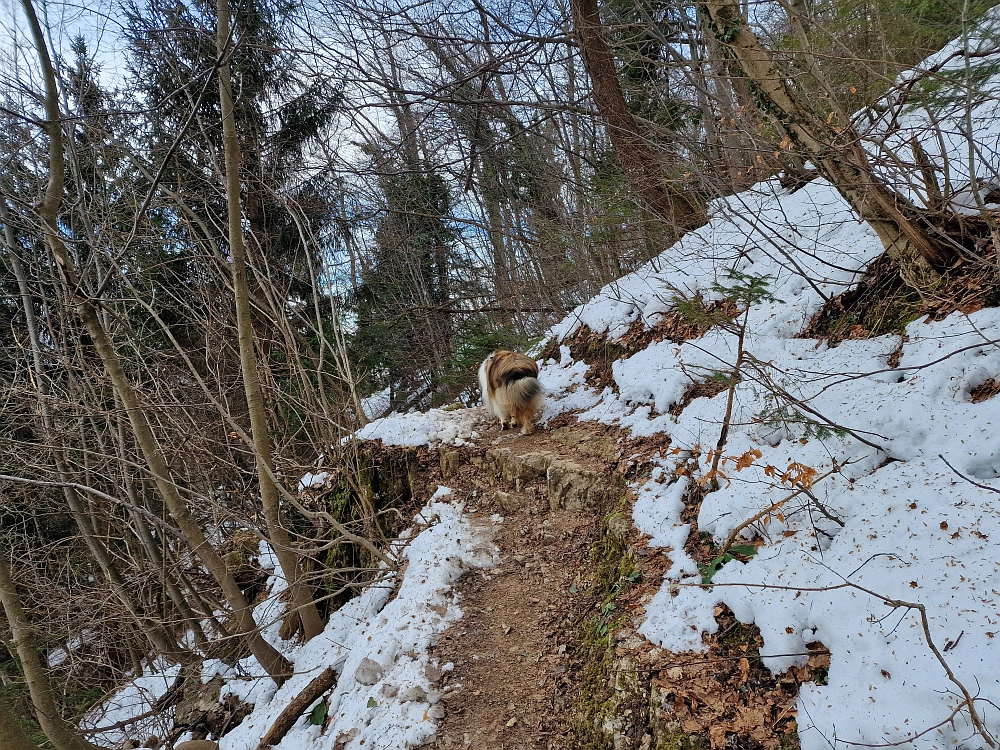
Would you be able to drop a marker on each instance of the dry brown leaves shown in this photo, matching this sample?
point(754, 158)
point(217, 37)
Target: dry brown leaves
point(987, 390)
point(599, 351)
point(673, 326)
point(727, 694)
point(881, 303)
point(724, 694)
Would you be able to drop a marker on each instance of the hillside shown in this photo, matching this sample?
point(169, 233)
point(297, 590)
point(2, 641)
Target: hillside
point(754, 250)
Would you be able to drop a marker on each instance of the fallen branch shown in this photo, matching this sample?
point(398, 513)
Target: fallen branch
point(975, 484)
point(287, 718)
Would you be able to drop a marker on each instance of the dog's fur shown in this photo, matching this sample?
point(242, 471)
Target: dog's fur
point(511, 390)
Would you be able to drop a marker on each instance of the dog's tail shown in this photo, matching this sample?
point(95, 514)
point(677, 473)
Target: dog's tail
point(527, 391)
point(527, 397)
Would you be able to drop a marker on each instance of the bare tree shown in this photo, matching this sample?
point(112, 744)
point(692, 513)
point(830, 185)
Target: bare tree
point(312, 624)
point(835, 149)
point(56, 728)
point(48, 209)
point(639, 159)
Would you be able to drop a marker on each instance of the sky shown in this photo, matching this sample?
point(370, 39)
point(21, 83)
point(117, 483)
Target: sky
point(96, 21)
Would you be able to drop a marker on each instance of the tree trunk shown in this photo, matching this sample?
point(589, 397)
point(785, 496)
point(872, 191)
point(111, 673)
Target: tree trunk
point(288, 558)
point(159, 638)
point(12, 736)
point(56, 728)
point(838, 155)
point(48, 208)
point(635, 153)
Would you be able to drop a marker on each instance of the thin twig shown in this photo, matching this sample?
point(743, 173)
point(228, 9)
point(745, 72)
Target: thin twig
point(977, 484)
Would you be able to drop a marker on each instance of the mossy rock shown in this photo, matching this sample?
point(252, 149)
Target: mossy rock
point(517, 470)
point(573, 487)
point(613, 706)
point(369, 484)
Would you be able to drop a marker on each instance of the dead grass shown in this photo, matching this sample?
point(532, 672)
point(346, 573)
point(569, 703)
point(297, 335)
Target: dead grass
point(883, 304)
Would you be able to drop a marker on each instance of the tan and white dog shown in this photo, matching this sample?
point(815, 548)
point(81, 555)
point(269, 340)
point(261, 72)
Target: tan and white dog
point(511, 390)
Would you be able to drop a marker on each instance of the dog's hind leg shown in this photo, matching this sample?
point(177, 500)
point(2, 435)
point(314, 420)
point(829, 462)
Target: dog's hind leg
point(527, 427)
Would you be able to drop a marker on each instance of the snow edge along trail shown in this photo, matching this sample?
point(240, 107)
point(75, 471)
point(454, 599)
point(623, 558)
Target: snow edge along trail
point(888, 513)
point(385, 694)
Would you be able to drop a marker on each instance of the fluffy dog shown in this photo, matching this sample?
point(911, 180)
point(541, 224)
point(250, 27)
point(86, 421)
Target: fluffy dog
point(511, 390)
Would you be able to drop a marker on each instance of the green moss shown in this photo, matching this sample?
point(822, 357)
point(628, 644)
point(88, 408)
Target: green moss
point(598, 704)
point(605, 690)
point(790, 741)
point(363, 498)
point(614, 562)
point(740, 635)
point(672, 737)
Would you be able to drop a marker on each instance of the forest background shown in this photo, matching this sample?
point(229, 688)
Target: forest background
point(274, 209)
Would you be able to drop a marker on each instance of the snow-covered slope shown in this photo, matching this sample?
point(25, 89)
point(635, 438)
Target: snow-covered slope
point(885, 518)
point(873, 485)
point(912, 529)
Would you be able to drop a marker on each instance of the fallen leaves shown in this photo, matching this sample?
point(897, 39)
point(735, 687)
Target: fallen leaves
point(727, 696)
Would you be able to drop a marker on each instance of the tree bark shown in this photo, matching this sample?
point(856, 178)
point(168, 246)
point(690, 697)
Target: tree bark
point(12, 736)
point(159, 638)
point(635, 153)
point(287, 718)
point(838, 155)
point(56, 728)
point(288, 558)
point(48, 208)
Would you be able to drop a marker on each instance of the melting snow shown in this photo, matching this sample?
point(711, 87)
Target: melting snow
point(886, 516)
point(392, 624)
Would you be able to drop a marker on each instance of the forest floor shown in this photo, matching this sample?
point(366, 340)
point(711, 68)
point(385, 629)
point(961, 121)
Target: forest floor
point(513, 684)
point(546, 653)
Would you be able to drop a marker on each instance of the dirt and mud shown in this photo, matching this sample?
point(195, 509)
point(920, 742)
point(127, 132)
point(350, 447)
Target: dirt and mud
point(513, 682)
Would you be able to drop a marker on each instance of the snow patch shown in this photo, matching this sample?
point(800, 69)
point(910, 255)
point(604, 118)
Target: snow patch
point(434, 427)
point(391, 624)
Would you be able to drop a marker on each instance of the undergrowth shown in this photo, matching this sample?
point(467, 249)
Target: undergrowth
point(883, 304)
point(880, 304)
point(606, 694)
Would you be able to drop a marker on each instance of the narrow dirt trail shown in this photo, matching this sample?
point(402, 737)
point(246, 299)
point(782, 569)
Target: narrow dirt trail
point(512, 686)
point(547, 654)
